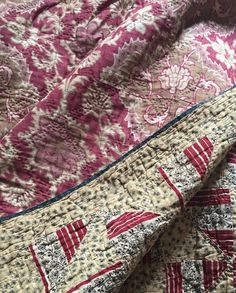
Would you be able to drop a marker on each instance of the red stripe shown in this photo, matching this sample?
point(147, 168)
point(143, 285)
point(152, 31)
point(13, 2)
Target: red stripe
point(81, 233)
point(102, 272)
point(176, 279)
point(80, 229)
point(207, 145)
point(195, 160)
point(232, 159)
point(68, 242)
point(119, 219)
point(223, 238)
point(167, 279)
point(180, 277)
point(218, 191)
point(201, 152)
point(209, 200)
point(212, 271)
point(122, 219)
point(172, 186)
point(73, 235)
point(220, 234)
point(231, 154)
point(45, 283)
point(170, 278)
point(201, 155)
point(173, 278)
point(124, 223)
point(130, 224)
point(63, 244)
point(129, 218)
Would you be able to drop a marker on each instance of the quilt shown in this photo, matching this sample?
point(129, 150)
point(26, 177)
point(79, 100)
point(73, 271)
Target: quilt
point(117, 146)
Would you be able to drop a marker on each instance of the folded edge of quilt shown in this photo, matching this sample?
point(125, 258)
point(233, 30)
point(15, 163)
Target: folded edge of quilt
point(92, 238)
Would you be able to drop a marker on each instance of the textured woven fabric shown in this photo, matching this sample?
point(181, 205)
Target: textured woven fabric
point(176, 192)
point(82, 84)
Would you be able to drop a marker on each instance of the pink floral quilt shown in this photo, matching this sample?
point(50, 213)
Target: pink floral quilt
point(88, 85)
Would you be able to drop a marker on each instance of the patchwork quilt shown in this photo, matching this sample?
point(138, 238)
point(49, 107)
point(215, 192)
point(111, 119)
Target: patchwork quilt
point(117, 146)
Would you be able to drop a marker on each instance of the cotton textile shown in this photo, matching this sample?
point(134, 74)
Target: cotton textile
point(82, 84)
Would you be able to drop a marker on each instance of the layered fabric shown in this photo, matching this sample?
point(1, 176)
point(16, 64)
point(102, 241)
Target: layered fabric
point(174, 194)
point(102, 188)
point(84, 82)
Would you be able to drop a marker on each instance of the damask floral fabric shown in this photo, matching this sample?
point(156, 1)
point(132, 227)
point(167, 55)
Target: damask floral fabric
point(81, 84)
point(174, 194)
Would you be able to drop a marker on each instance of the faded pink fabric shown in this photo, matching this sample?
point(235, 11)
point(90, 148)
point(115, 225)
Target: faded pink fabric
point(82, 82)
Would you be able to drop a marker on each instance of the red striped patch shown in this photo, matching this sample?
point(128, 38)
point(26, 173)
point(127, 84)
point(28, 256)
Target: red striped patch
point(127, 221)
point(212, 270)
point(223, 238)
point(173, 278)
point(40, 269)
point(172, 186)
point(64, 245)
point(231, 156)
point(70, 237)
point(99, 274)
point(234, 272)
point(210, 197)
point(199, 154)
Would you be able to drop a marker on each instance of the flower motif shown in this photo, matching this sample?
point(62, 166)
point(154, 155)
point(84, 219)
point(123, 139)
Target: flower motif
point(86, 37)
point(20, 195)
point(14, 82)
point(22, 35)
point(137, 25)
point(192, 275)
point(97, 101)
point(59, 148)
point(145, 17)
point(58, 158)
point(5, 76)
point(120, 8)
point(19, 6)
point(49, 23)
point(175, 78)
point(224, 53)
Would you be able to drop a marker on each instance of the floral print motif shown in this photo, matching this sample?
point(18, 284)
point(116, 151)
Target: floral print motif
point(53, 259)
point(17, 94)
point(224, 53)
point(215, 218)
point(175, 78)
point(164, 87)
point(19, 195)
point(92, 70)
point(52, 153)
point(141, 20)
point(192, 276)
point(220, 49)
point(22, 35)
point(12, 6)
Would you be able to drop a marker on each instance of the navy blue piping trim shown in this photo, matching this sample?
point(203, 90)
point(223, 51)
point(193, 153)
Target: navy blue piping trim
point(109, 166)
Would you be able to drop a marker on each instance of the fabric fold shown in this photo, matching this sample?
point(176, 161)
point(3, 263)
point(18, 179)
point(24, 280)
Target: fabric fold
point(68, 113)
point(92, 238)
point(117, 146)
